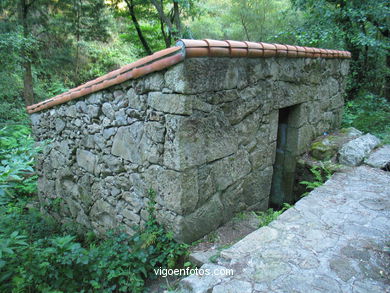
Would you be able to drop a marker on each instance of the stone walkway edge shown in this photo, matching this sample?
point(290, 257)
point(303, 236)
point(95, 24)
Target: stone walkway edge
point(336, 239)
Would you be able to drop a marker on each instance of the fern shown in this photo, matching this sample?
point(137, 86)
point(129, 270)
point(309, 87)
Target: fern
point(321, 175)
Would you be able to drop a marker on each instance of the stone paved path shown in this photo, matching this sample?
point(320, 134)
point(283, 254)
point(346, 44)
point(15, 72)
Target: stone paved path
point(336, 239)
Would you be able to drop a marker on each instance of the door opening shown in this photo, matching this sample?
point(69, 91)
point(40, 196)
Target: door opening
point(285, 160)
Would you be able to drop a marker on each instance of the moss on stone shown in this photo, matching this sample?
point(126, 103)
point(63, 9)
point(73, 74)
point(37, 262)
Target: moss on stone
point(322, 151)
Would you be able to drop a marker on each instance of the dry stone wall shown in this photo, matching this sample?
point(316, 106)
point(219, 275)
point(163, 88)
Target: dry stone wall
point(202, 134)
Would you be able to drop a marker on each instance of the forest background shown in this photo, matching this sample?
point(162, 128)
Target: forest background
point(50, 46)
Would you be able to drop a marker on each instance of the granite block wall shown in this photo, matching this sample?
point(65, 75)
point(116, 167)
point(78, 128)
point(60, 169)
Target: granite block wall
point(202, 134)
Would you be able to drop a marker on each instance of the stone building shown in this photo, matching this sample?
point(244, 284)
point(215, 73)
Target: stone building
point(214, 127)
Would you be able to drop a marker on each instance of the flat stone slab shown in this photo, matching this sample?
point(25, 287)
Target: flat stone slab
point(336, 239)
point(379, 158)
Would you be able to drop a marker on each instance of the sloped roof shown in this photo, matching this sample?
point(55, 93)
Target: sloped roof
point(186, 49)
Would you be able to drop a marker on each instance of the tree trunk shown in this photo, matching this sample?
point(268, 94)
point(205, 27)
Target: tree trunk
point(130, 6)
point(245, 28)
point(162, 16)
point(28, 91)
point(167, 38)
point(176, 19)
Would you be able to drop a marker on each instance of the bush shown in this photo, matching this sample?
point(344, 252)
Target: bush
point(59, 263)
point(369, 113)
point(17, 151)
point(13, 111)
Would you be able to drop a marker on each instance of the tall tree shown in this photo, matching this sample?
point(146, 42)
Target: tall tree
point(131, 7)
point(49, 28)
point(25, 8)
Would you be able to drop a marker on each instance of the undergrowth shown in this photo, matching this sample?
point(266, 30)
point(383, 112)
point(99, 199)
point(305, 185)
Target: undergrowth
point(39, 255)
point(17, 152)
point(320, 175)
point(266, 217)
point(36, 256)
point(370, 114)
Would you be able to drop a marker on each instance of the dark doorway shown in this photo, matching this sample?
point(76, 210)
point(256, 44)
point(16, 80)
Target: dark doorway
point(285, 160)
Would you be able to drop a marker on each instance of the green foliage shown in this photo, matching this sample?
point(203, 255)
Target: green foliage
point(266, 217)
point(13, 111)
point(212, 236)
point(99, 58)
point(360, 26)
point(17, 151)
point(10, 70)
point(152, 34)
point(67, 42)
point(34, 257)
point(252, 20)
point(320, 175)
point(240, 216)
point(369, 113)
point(84, 19)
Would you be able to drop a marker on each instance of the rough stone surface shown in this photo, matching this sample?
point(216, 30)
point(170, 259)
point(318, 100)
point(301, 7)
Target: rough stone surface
point(333, 240)
point(379, 158)
point(208, 280)
point(327, 146)
point(86, 160)
point(201, 133)
point(354, 152)
point(200, 258)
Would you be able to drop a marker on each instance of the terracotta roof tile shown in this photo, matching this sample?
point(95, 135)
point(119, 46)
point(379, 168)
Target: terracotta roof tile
point(194, 43)
point(216, 43)
point(281, 50)
point(253, 45)
point(255, 50)
point(219, 52)
point(317, 52)
point(309, 52)
point(186, 49)
point(238, 52)
point(269, 53)
point(237, 44)
point(300, 51)
point(197, 52)
point(292, 51)
point(267, 46)
point(238, 49)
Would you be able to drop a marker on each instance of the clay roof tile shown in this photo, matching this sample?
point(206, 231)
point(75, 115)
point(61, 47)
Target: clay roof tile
point(237, 44)
point(194, 43)
point(216, 43)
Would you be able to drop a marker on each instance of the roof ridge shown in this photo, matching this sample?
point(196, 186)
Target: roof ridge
point(186, 48)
